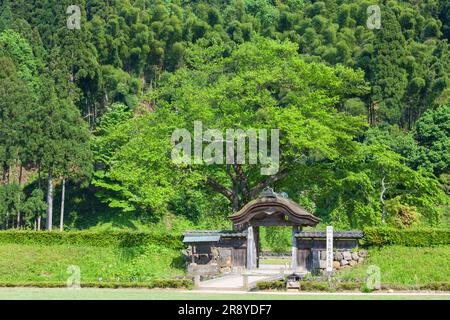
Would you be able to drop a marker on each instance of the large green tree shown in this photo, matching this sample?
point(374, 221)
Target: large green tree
point(262, 85)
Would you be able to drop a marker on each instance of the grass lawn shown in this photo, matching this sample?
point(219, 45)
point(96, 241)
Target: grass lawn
point(145, 294)
point(401, 267)
point(34, 263)
point(405, 265)
point(280, 261)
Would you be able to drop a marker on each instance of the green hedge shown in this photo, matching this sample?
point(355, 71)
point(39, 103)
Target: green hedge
point(156, 283)
point(92, 238)
point(416, 237)
point(314, 286)
point(172, 283)
point(310, 285)
point(271, 285)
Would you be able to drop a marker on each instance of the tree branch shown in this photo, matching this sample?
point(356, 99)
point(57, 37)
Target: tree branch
point(219, 188)
point(270, 179)
point(235, 192)
point(383, 190)
point(242, 181)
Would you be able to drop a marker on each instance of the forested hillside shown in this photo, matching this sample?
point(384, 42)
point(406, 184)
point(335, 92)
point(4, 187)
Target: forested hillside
point(363, 113)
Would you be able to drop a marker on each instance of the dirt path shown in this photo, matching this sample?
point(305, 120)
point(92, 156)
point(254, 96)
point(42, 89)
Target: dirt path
point(238, 281)
point(172, 294)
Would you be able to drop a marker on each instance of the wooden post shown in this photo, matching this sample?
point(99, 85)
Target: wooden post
point(50, 198)
point(251, 249)
point(245, 281)
point(294, 263)
point(196, 281)
point(315, 260)
point(257, 245)
point(63, 195)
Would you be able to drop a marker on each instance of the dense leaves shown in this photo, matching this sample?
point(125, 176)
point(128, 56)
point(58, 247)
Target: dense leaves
point(363, 113)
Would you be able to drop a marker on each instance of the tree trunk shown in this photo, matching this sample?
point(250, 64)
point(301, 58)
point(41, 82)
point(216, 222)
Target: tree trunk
point(63, 195)
point(18, 219)
point(39, 176)
point(39, 223)
point(383, 190)
point(50, 198)
point(20, 174)
point(20, 184)
point(18, 215)
point(4, 173)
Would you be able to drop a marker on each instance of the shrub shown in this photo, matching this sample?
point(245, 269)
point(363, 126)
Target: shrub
point(438, 286)
point(171, 283)
point(414, 237)
point(344, 286)
point(123, 239)
point(157, 283)
point(276, 239)
point(403, 215)
point(271, 285)
point(366, 289)
point(314, 286)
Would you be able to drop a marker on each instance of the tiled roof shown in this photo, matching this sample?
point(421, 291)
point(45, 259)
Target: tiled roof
point(355, 234)
point(272, 203)
point(221, 233)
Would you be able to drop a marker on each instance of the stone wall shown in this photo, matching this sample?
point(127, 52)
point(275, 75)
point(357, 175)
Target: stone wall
point(343, 258)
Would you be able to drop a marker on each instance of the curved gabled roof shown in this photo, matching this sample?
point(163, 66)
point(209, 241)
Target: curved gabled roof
point(271, 204)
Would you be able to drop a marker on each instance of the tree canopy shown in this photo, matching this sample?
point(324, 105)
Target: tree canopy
point(362, 114)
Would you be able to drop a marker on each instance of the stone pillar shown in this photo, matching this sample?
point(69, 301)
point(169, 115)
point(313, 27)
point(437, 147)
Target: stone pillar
point(196, 281)
point(294, 263)
point(245, 282)
point(251, 249)
point(315, 261)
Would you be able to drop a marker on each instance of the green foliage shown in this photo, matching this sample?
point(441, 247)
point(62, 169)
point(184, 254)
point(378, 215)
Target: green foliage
point(276, 239)
point(402, 215)
point(16, 103)
point(436, 286)
point(14, 46)
point(366, 289)
point(348, 286)
point(307, 121)
point(11, 198)
point(106, 266)
point(34, 206)
point(120, 87)
point(153, 284)
point(171, 283)
point(403, 268)
point(310, 68)
point(271, 285)
point(433, 136)
point(19, 210)
point(387, 75)
point(413, 237)
point(359, 183)
point(124, 239)
point(339, 178)
point(142, 40)
point(313, 285)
